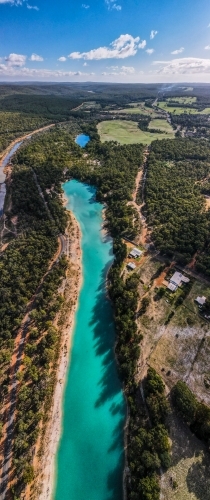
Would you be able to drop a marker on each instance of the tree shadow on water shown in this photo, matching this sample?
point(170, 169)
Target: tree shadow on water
point(117, 436)
point(115, 483)
point(104, 334)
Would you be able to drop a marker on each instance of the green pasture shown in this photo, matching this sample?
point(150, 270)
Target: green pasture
point(136, 109)
point(178, 111)
point(182, 100)
point(162, 125)
point(127, 132)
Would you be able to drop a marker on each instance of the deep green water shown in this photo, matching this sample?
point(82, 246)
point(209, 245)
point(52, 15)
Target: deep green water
point(90, 458)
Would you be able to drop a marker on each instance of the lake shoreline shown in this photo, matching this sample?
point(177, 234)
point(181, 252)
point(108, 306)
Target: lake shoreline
point(47, 469)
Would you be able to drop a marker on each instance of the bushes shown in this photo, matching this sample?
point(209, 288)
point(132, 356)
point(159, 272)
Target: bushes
point(149, 447)
point(195, 414)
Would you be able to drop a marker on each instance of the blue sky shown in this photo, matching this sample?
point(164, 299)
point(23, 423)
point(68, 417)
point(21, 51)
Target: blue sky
point(105, 40)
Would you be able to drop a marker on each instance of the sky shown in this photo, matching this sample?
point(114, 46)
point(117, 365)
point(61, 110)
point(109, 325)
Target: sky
point(127, 41)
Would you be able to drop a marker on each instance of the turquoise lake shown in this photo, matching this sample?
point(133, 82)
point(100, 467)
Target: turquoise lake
point(82, 140)
point(90, 458)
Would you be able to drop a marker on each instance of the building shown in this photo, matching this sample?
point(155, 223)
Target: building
point(131, 266)
point(176, 280)
point(200, 300)
point(135, 253)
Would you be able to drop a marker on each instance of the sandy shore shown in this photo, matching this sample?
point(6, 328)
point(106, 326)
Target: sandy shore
point(46, 469)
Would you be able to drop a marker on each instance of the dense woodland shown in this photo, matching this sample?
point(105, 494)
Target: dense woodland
point(177, 173)
point(194, 413)
point(177, 176)
point(23, 265)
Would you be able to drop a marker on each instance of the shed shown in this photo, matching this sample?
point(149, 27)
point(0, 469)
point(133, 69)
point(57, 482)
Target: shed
point(135, 253)
point(131, 266)
point(172, 287)
point(201, 300)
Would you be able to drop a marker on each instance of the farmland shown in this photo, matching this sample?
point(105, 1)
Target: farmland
point(136, 109)
point(179, 110)
point(127, 132)
point(162, 125)
point(182, 100)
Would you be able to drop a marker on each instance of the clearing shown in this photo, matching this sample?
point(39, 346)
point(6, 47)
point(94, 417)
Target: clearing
point(162, 125)
point(179, 110)
point(136, 109)
point(177, 349)
point(182, 100)
point(127, 132)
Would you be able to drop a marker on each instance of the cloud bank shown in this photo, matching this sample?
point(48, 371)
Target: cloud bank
point(122, 47)
point(183, 66)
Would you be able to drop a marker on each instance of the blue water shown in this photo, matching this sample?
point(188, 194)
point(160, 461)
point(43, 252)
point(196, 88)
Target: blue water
point(3, 176)
point(82, 140)
point(90, 458)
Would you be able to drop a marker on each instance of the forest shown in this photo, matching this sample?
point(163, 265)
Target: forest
point(176, 175)
point(112, 170)
point(29, 281)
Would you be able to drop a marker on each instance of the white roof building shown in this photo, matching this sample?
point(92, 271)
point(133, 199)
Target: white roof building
point(135, 253)
point(176, 280)
point(131, 265)
point(201, 300)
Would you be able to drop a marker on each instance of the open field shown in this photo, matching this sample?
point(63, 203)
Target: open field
point(178, 111)
point(127, 132)
point(162, 125)
point(190, 464)
point(182, 100)
point(177, 350)
point(136, 109)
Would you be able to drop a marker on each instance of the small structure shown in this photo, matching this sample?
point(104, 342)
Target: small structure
point(135, 253)
point(176, 280)
point(200, 300)
point(131, 266)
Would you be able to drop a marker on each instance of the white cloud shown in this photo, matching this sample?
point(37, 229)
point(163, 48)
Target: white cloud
point(10, 71)
point(150, 51)
point(35, 57)
point(15, 60)
point(32, 7)
point(128, 70)
point(142, 44)
point(84, 6)
point(124, 46)
point(11, 2)
point(207, 47)
point(85, 64)
point(183, 66)
point(112, 5)
point(178, 51)
point(208, 25)
point(153, 34)
point(18, 3)
point(62, 59)
point(116, 70)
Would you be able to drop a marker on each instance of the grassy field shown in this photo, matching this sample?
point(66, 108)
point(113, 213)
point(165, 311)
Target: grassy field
point(136, 109)
point(162, 125)
point(179, 111)
point(182, 100)
point(127, 132)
